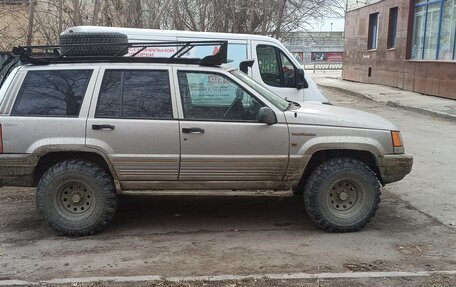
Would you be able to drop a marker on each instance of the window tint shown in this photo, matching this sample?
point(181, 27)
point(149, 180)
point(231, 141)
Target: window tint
point(434, 30)
point(431, 31)
point(447, 47)
point(236, 52)
point(135, 94)
point(269, 65)
point(392, 28)
point(56, 93)
point(109, 100)
point(215, 97)
point(275, 68)
point(373, 31)
point(288, 72)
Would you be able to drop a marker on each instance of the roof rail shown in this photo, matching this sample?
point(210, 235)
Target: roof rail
point(42, 55)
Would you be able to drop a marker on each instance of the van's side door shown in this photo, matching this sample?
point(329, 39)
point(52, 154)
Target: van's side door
point(132, 121)
point(276, 70)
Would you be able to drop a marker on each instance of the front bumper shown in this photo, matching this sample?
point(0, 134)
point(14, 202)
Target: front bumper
point(394, 167)
point(16, 169)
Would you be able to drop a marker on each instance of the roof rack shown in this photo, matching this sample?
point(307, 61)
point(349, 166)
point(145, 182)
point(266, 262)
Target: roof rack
point(42, 55)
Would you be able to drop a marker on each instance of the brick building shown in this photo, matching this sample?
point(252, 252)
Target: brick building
point(409, 44)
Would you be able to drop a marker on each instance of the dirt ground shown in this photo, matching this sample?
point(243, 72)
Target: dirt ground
point(434, 281)
point(192, 236)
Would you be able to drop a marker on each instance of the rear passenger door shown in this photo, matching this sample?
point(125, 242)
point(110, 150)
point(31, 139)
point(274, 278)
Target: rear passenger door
point(49, 112)
point(132, 121)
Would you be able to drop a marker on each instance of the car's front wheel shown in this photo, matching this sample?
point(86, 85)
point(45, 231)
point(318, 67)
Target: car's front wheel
point(342, 195)
point(76, 197)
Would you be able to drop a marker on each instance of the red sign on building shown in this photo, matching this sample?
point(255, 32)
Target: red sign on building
point(326, 56)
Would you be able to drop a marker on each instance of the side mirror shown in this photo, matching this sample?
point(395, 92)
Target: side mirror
point(301, 82)
point(244, 65)
point(267, 116)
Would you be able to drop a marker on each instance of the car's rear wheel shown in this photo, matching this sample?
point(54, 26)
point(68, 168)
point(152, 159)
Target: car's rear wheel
point(342, 195)
point(76, 197)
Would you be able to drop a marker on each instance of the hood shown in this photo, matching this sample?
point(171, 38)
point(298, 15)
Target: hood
point(328, 115)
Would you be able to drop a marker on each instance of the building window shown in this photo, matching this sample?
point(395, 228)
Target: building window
point(392, 28)
point(373, 31)
point(434, 30)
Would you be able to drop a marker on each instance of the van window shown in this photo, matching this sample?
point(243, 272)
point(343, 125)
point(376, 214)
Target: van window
point(135, 94)
point(55, 93)
point(275, 68)
point(236, 53)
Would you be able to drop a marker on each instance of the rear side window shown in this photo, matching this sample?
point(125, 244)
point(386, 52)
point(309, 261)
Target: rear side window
point(54, 93)
point(135, 94)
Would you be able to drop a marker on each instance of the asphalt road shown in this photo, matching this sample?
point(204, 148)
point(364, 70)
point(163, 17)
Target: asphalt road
point(431, 186)
point(190, 236)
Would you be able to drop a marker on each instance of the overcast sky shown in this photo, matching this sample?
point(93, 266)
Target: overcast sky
point(325, 25)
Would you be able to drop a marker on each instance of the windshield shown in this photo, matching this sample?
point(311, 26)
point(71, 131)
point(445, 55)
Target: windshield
point(273, 98)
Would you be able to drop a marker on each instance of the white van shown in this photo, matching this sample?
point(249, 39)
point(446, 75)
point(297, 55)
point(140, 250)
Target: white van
point(274, 65)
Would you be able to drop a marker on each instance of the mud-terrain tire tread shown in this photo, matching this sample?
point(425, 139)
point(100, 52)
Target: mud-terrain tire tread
point(98, 174)
point(317, 178)
point(93, 38)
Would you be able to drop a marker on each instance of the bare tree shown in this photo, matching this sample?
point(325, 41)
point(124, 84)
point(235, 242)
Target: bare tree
point(31, 21)
point(42, 21)
point(267, 17)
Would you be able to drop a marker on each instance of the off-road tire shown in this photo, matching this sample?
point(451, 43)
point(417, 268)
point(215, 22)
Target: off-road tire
point(342, 195)
point(76, 197)
point(91, 38)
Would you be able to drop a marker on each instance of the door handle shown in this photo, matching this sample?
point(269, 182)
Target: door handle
point(103, 127)
point(193, 130)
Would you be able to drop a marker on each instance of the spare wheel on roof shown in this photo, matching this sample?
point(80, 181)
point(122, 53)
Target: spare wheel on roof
point(91, 39)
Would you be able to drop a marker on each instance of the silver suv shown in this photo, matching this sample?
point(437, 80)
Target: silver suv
point(85, 129)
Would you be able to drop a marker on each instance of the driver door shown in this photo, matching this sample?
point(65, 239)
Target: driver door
point(222, 142)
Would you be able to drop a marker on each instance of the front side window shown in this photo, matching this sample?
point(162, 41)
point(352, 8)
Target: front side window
point(392, 28)
point(434, 30)
point(276, 69)
point(53, 93)
point(373, 31)
point(212, 96)
point(135, 94)
point(259, 88)
point(288, 72)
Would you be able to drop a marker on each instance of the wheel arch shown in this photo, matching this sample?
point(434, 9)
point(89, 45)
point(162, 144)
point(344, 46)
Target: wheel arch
point(46, 160)
point(323, 155)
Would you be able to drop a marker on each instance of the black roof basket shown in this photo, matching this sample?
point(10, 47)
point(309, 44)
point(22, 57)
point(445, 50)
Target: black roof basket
point(42, 55)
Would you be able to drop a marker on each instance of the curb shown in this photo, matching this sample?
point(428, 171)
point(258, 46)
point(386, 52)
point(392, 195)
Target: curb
point(424, 111)
point(222, 278)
